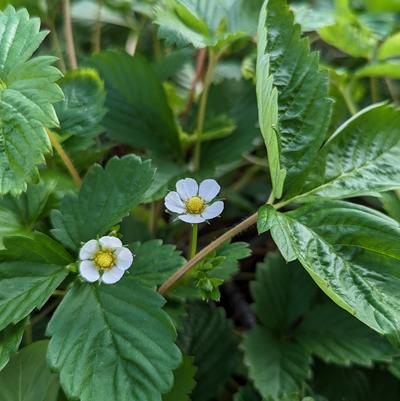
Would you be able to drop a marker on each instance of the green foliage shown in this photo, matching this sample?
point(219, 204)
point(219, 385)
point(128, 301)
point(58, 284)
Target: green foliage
point(10, 338)
point(138, 113)
point(128, 349)
point(27, 377)
point(30, 270)
point(27, 92)
point(246, 393)
point(206, 331)
point(106, 196)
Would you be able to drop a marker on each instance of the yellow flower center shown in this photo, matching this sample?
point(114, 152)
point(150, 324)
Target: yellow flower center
point(195, 205)
point(104, 260)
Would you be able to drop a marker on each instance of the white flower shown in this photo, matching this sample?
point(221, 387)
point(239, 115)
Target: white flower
point(106, 256)
point(192, 202)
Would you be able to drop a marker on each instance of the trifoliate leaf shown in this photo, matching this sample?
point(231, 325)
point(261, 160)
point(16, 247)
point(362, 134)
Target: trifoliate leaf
point(82, 110)
point(138, 112)
point(106, 196)
point(154, 262)
point(30, 270)
point(337, 337)
point(27, 377)
point(27, 92)
point(10, 338)
point(183, 381)
point(113, 343)
point(206, 331)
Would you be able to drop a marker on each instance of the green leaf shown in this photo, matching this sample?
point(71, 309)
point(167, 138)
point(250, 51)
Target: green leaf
point(10, 338)
point(82, 110)
point(206, 331)
point(27, 376)
point(27, 91)
point(113, 343)
point(138, 112)
point(383, 5)
point(183, 381)
point(30, 270)
point(247, 393)
point(265, 218)
point(390, 47)
point(391, 204)
point(304, 107)
point(336, 337)
point(277, 366)
point(343, 223)
point(380, 70)
point(154, 262)
point(267, 97)
point(20, 214)
point(372, 166)
point(205, 23)
point(361, 282)
point(106, 196)
point(282, 293)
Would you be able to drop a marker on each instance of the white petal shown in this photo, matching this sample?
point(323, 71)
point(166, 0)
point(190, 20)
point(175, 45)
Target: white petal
point(108, 242)
point(88, 271)
point(124, 258)
point(213, 210)
point(112, 276)
point(209, 189)
point(187, 188)
point(174, 203)
point(88, 250)
point(191, 218)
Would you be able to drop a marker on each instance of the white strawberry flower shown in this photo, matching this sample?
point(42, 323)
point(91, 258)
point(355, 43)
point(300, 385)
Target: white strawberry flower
point(105, 260)
point(192, 202)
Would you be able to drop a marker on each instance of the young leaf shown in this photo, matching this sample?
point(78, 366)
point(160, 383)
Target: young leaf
point(30, 270)
point(106, 196)
point(361, 282)
point(373, 162)
point(27, 376)
point(183, 381)
point(27, 92)
point(138, 112)
point(154, 262)
point(336, 337)
point(304, 106)
point(10, 338)
point(206, 331)
point(82, 110)
point(113, 343)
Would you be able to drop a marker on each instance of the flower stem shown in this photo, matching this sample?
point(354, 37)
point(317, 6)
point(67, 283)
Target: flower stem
point(65, 158)
point(212, 63)
point(193, 246)
point(69, 36)
point(96, 38)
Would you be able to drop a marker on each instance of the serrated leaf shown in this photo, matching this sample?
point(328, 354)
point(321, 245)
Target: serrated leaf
point(10, 338)
point(106, 196)
point(154, 262)
point(82, 110)
point(138, 112)
point(282, 293)
point(361, 282)
point(336, 337)
point(27, 376)
point(372, 165)
point(206, 331)
point(277, 366)
point(27, 92)
point(304, 107)
point(183, 381)
point(128, 350)
point(30, 270)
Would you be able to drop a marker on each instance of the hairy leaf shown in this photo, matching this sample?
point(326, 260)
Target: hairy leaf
point(106, 196)
point(113, 343)
point(27, 92)
point(10, 338)
point(30, 270)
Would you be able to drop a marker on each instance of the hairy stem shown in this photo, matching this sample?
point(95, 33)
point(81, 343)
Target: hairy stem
point(193, 246)
point(69, 36)
point(65, 158)
point(212, 62)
